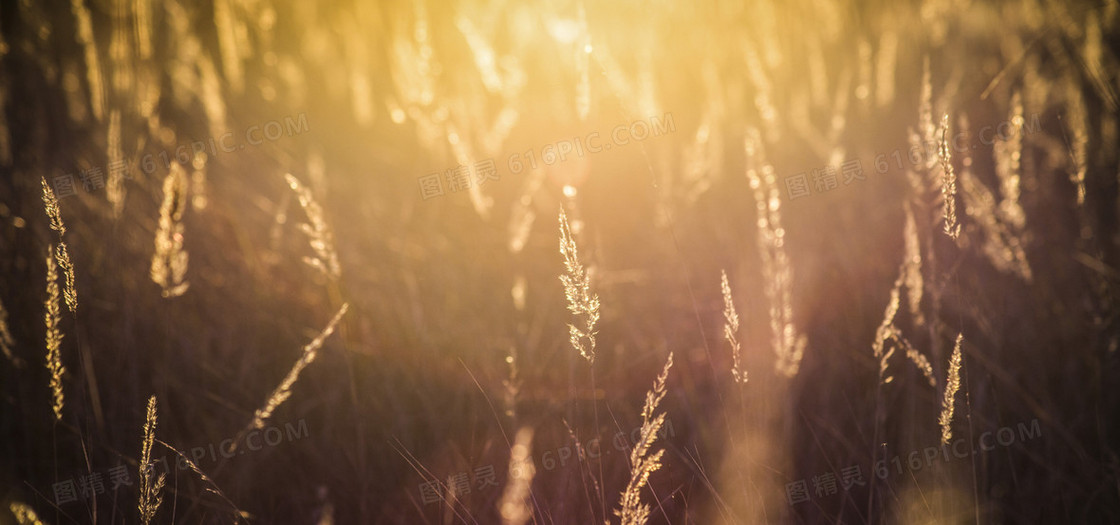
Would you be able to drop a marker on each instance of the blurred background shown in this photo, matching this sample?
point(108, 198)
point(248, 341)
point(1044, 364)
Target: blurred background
point(437, 143)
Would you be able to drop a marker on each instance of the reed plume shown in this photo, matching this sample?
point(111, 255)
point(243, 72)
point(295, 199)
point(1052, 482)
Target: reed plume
point(150, 485)
point(284, 390)
point(632, 511)
point(169, 262)
point(731, 328)
point(54, 336)
point(514, 506)
point(787, 342)
point(948, 183)
point(62, 255)
point(952, 384)
point(319, 236)
point(582, 302)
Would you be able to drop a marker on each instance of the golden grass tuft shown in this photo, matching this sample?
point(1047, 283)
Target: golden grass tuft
point(787, 342)
point(582, 302)
point(514, 506)
point(952, 384)
point(169, 262)
point(731, 328)
point(284, 390)
point(632, 511)
point(318, 234)
point(62, 255)
point(54, 336)
point(24, 514)
point(150, 486)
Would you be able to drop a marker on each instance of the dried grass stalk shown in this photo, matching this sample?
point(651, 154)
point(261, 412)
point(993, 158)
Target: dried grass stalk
point(514, 506)
point(1078, 119)
point(83, 24)
point(169, 262)
point(62, 255)
point(114, 186)
point(919, 359)
point(319, 236)
point(886, 331)
point(150, 485)
point(952, 384)
point(912, 264)
point(1003, 241)
point(632, 511)
point(582, 302)
point(54, 336)
point(787, 342)
point(731, 328)
point(948, 183)
point(205, 479)
point(1009, 155)
point(888, 336)
point(284, 390)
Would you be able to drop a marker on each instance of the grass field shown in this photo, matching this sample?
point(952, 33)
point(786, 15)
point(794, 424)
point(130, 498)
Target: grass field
point(559, 262)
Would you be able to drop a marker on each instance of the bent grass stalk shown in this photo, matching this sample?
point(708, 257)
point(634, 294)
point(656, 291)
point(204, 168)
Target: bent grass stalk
point(284, 390)
point(206, 479)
